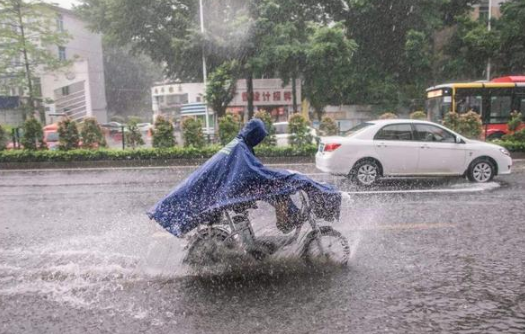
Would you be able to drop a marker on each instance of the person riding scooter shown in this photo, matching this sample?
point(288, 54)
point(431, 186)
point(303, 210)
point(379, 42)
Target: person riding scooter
point(235, 177)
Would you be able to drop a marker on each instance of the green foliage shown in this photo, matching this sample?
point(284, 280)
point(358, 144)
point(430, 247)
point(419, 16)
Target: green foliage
point(328, 66)
point(29, 35)
point(33, 138)
point(420, 115)
point(513, 146)
point(468, 124)
point(388, 115)
point(163, 133)
point(299, 132)
point(92, 134)
point(68, 135)
point(192, 133)
point(264, 116)
point(510, 55)
point(133, 135)
point(221, 87)
point(328, 127)
point(515, 121)
point(3, 138)
point(18, 156)
point(128, 78)
point(518, 137)
point(229, 127)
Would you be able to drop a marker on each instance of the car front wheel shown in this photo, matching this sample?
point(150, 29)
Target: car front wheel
point(481, 171)
point(365, 173)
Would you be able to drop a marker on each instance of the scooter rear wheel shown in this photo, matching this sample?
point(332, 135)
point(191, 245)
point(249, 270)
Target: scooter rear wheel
point(326, 246)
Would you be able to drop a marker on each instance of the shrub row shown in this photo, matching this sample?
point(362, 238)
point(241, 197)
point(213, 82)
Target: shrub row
point(143, 154)
point(513, 146)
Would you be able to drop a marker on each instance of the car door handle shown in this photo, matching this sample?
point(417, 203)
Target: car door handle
point(425, 146)
point(381, 145)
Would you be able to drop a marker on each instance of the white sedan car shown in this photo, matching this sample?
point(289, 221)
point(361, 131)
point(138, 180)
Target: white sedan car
point(409, 148)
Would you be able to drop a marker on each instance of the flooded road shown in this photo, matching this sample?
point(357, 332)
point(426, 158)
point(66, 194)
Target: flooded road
point(78, 255)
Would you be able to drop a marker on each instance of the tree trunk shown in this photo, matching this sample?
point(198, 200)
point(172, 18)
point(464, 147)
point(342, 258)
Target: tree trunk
point(249, 93)
point(294, 94)
point(31, 101)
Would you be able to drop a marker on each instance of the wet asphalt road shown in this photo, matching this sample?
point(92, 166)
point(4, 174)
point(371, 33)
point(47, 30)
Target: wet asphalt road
point(78, 255)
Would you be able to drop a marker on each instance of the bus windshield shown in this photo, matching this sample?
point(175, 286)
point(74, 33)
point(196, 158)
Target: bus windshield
point(437, 108)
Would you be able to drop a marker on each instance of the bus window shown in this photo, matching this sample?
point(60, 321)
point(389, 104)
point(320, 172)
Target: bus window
point(468, 103)
point(500, 108)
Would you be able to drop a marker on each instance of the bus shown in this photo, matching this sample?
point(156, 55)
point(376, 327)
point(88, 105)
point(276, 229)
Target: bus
point(492, 100)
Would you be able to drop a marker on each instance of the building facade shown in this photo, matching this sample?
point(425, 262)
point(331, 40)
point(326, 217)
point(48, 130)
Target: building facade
point(76, 90)
point(79, 90)
point(179, 100)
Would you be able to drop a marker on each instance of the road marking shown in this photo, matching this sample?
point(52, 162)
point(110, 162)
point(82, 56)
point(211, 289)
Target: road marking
point(425, 191)
point(422, 226)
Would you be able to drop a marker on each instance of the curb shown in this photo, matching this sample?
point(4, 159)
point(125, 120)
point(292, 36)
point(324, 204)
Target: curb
point(137, 163)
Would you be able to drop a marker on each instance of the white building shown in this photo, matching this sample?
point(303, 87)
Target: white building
point(77, 91)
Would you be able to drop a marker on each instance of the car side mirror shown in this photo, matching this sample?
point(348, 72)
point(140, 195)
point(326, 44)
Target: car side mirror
point(459, 140)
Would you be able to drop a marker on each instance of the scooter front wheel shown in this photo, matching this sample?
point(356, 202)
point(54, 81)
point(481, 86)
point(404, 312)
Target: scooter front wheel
point(326, 246)
point(208, 247)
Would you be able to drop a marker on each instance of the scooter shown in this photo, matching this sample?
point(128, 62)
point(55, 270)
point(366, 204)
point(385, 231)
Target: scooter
point(232, 232)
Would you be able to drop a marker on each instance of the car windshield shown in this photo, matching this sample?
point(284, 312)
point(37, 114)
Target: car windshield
point(357, 128)
point(52, 136)
point(281, 128)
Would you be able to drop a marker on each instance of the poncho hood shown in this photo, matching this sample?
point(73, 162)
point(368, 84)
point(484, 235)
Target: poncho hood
point(253, 132)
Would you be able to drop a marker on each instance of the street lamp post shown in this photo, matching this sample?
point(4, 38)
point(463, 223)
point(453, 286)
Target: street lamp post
point(489, 65)
point(204, 74)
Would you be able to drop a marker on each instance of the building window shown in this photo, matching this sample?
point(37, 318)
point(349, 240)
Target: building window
point(65, 91)
point(484, 13)
point(37, 87)
point(198, 99)
point(60, 23)
point(61, 53)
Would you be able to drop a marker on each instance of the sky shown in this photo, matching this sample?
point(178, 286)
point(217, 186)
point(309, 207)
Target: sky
point(64, 3)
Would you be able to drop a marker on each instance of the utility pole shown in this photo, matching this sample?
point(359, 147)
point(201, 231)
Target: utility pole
point(204, 74)
point(489, 65)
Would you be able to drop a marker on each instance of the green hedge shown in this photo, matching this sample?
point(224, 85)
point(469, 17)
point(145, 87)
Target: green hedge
point(143, 154)
point(513, 146)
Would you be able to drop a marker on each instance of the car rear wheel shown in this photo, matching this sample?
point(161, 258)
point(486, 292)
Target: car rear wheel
point(481, 171)
point(365, 173)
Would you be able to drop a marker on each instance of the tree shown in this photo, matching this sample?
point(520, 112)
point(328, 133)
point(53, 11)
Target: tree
point(192, 133)
point(128, 78)
point(29, 38)
point(133, 135)
point(68, 135)
point(515, 121)
point(264, 116)
point(163, 133)
point(3, 138)
point(33, 138)
point(328, 127)
point(510, 55)
point(328, 66)
point(221, 87)
point(300, 133)
point(229, 127)
point(92, 134)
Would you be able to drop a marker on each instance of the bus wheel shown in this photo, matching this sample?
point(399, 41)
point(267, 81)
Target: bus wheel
point(494, 136)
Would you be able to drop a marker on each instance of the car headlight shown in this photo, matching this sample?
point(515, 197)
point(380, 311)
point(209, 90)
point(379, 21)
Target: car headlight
point(504, 151)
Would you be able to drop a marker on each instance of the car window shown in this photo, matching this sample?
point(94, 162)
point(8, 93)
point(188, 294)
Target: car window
point(431, 133)
point(281, 129)
point(357, 128)
point(395, 132)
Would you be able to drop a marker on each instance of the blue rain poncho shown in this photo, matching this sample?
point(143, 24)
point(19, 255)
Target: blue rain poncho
point(235, 176)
